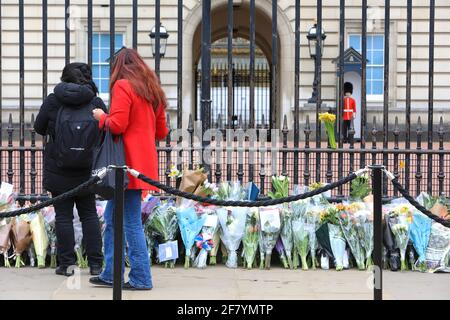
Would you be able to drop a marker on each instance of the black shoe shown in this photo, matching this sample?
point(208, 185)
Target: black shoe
point(95, 270)
point(62, 271)
point(99, 282)
point(128, 286)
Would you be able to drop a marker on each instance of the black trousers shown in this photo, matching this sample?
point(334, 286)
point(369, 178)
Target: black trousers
point(65, 236)
point(346, 127)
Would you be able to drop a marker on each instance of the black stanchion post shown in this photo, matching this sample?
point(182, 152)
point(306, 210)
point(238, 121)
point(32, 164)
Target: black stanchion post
point(118, 232)
point(377, 189)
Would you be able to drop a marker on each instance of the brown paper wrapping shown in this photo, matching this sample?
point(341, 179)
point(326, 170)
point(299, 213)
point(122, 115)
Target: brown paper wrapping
point(21, 235)
point(191, 182)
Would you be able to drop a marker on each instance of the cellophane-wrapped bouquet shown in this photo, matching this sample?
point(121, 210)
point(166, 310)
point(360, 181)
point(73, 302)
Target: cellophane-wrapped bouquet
point(190, 224)
point(49, 219)
point(21, 238)
point(270, 226)
point(349, 227)
point(330, 217)
point(7, 198)
point(164, 223)
point(400, 219)
point(232, 222)
point(223, 192)
point(311, 226)
point(251, 237)
point(280, 186)
point(300, 232)
point(82, 261)
point(40, 238)
point(204, 240)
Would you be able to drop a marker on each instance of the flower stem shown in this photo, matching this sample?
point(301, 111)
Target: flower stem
point(304, 263)
point(291, 265)
point(7, 264)
point(404, 267)
point(369, 262)
point(53, 261)
point(41, 261)
point(19, 261)
point(186, 262)
point(267, 263)
point(212, 260)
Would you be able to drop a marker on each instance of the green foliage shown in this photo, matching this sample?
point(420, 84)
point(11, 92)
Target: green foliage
point(360, 187)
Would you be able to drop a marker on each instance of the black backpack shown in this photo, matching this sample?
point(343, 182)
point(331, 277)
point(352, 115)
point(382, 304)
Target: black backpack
point(76, 137)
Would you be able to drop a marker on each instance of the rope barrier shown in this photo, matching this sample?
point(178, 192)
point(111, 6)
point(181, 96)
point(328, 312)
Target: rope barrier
point(227, 203)
point(61, 197)
point(257, 203)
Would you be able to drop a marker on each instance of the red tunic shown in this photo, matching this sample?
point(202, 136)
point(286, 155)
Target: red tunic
point(134, 118)
point(349, 108)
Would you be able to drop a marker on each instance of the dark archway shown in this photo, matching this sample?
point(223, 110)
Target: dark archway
point(264, 115)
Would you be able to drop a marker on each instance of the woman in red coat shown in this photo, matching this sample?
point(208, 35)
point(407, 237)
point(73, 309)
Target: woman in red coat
point(137, 113)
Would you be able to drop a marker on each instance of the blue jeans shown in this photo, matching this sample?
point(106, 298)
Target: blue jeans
point(140, 275)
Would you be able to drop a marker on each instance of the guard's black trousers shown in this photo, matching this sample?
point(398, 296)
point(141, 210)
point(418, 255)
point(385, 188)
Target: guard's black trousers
point(346, 128)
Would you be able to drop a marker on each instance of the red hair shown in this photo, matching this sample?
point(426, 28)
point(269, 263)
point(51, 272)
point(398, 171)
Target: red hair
point(130, 65)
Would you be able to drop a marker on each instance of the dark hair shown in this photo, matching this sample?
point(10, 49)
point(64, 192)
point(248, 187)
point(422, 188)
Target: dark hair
point(79, 73)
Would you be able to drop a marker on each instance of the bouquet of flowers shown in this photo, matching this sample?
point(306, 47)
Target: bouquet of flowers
point(163, 222)
point(40, 238)
point(251, 237)
point(348, 226)
point(270, 230)
point(400, 228)
point(419, 233)
point(204, 241)
point(49, 219)
point(311, 226)
point(438, 249)
point(78, 231)
point(360, 187)
point(300, 232)
point(7, 197)
point(21, 238)
point(284, 246)
point(330, 216)
point(329, 119)
point(147, 208)
point(280, 249)
point(319, 199)
point(286, 235)
point(190, 225)
point(364, 229)
point(232, 221)
point(5, 241)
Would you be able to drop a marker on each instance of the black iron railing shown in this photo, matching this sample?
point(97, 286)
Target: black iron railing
point(420, 167)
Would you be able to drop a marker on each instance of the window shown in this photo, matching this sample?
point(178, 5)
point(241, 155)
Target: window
point(375, 65)
point(100, 55)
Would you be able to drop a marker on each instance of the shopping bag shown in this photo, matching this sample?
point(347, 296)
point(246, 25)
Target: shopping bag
point(110, 152)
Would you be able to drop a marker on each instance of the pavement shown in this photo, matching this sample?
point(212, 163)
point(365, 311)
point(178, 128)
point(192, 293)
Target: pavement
point(221, 283)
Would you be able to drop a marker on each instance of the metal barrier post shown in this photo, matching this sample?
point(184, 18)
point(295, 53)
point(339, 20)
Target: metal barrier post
point(118, 232)
point(377, 190)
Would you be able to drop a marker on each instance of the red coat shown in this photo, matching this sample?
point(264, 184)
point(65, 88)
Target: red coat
point(349, 108)
point(134, 118)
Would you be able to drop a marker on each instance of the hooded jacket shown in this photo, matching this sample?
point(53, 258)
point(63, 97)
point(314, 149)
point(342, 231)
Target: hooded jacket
point(70, 95)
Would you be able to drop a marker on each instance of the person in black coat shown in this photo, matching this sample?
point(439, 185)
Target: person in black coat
point(76, 90)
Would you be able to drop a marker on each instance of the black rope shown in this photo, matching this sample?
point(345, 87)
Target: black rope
point(258, 203)
point(418, 206)
point(49, 202)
